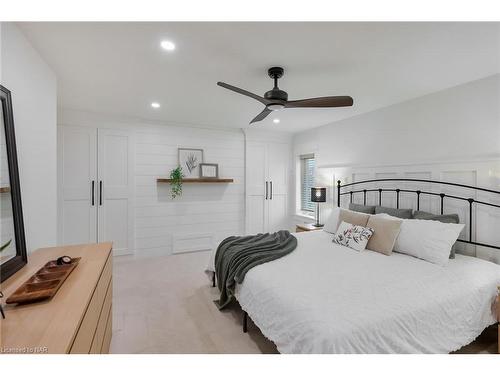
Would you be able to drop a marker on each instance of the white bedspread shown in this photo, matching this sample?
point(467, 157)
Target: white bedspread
point(325, 298)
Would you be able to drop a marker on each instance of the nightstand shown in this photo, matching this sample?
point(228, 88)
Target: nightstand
point(306, 228)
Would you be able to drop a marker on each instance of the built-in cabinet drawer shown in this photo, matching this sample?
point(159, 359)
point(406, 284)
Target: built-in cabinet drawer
point(92, 331)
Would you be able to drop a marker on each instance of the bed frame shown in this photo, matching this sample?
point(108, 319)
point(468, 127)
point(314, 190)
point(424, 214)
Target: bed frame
point(418, 193)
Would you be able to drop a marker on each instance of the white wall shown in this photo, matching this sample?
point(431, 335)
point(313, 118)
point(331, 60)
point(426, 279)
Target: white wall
point(205, 213)
point(33, 87)
point(452, 135)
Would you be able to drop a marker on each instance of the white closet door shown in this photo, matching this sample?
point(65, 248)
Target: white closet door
point(77, 169)
point(256, 177)
point(115, 185)
point(278, 157)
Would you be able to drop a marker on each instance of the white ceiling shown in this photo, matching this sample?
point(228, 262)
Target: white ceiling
point(119, 68)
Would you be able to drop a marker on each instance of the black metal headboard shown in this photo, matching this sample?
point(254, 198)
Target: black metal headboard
point(471, 201)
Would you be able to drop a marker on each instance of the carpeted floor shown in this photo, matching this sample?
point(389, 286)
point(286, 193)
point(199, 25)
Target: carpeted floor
point(164, 305)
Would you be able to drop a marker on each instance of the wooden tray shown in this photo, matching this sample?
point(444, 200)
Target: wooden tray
point(44, 283)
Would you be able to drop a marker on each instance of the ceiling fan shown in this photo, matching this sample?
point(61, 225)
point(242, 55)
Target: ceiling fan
point(276, 99)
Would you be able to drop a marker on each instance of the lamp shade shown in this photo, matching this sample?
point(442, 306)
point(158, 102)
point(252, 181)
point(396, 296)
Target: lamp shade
point(318, 194)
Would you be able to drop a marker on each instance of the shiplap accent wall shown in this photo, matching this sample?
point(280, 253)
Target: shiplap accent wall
point(205, 213)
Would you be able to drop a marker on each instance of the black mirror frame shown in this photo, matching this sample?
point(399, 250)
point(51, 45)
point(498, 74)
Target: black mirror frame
point(13, 265)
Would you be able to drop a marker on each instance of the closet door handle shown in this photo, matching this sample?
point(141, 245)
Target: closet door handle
point(266, 190)
point(93, 190)
point(271, 194)
point(100, 193)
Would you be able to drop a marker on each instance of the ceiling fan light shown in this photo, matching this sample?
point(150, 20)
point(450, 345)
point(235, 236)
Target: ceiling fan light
point(275, 106)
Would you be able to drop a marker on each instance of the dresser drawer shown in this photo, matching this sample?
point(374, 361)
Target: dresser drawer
point(103, 320)
point(87, 330)
point(107, 335)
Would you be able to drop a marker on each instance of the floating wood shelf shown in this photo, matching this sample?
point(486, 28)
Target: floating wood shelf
point(4, 189)
point(199, 180)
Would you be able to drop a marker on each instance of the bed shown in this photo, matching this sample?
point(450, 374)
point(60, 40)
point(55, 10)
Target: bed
point(327, 298)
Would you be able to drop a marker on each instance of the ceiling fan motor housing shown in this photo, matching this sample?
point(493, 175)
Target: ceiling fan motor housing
point(275, 73)
point(276, 94)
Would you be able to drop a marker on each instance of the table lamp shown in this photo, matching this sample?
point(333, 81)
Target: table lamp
point(318, 195)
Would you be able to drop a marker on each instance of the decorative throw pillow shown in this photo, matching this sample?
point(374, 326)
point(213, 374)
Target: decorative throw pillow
point(402, 213)
point(354, 236)
point(362, 208)
point(386, 232)
point(449, 218)
point(339, 214)
point(355, 218)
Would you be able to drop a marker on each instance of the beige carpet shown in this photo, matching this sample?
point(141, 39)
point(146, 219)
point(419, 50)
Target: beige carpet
point(164, 305)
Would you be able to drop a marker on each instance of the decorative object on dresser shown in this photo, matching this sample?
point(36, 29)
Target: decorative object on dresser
point(45, 283)
point(78, 319)
point(318, 195)
point(13, 255)
point(209, 170)
point(306, 227)
point(190, 160)
point(176, 177)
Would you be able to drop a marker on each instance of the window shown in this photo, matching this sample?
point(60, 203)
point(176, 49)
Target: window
point(307, 167)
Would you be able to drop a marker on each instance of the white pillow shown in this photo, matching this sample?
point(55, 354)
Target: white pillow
point(354, 236)
point(332, 222)
point(427, 239)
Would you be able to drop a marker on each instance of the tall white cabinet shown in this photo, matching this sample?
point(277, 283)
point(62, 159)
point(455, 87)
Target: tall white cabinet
point(267, 186)
point(95, 178)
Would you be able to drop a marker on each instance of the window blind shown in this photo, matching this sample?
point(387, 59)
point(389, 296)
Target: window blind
point(306, 182)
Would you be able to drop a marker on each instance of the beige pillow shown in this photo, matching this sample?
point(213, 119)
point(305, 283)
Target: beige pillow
point(385, 233)
point(355, 218)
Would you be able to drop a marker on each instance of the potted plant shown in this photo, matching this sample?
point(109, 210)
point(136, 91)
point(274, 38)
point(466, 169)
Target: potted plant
point(176, 177)
point(2, 248)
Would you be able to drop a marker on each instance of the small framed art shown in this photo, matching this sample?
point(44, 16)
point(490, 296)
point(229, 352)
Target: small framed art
point(190, 160)
point(209, 170)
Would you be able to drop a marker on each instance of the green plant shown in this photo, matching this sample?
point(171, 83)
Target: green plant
point(176, 177)
point(5, 245)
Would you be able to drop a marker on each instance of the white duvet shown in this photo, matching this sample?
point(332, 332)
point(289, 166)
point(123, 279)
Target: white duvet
point(326, 298)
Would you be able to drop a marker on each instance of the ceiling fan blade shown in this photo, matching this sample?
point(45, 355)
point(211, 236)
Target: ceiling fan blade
point(261, 116)
point(244, 92)
point(324, 102)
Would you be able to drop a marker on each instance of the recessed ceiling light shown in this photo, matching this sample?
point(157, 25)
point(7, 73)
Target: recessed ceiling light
point(276, 120)
point(167, 45)
point(155, 105)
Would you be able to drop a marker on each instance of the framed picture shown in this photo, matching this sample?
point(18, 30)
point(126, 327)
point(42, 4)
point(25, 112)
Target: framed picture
point(209, 170)
point(190, 160)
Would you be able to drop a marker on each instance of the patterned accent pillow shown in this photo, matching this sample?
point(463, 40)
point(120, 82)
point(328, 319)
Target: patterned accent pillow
point(354, 236)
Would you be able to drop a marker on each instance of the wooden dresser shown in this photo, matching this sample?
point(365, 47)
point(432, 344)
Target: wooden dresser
point(78, 319)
